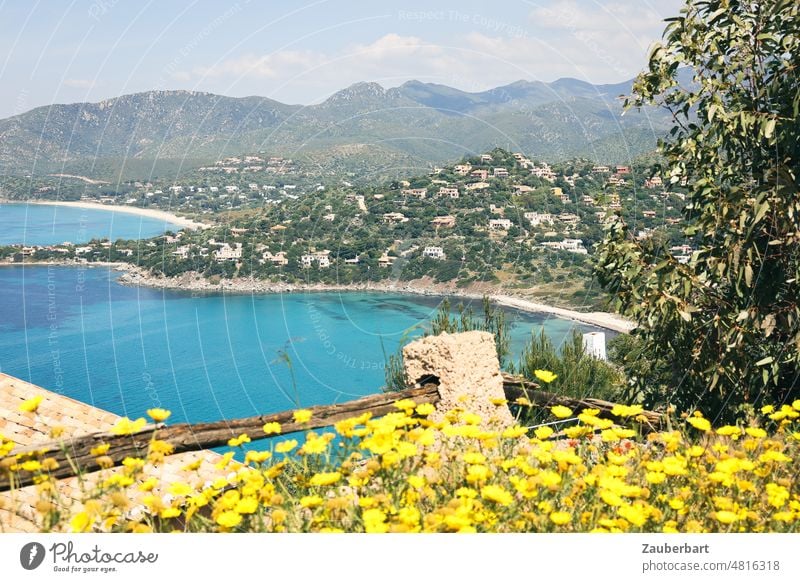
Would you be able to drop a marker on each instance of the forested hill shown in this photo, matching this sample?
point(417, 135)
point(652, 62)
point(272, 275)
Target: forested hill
point(416, 122)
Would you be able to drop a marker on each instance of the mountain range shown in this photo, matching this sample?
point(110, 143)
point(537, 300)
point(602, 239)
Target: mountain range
point(415, 123)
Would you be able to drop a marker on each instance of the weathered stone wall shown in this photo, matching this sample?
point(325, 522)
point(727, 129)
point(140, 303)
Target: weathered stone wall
point(467, 370)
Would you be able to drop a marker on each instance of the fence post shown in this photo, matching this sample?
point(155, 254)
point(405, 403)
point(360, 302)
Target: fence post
point(467, 371)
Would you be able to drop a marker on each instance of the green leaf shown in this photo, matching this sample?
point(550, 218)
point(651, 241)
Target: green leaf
point(769, 128)
point(765, 361)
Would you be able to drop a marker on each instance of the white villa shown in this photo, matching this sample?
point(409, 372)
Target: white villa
point(500, 224)
point(537, 218)
point(227, 252)
point(321, 258)
point(433, 252)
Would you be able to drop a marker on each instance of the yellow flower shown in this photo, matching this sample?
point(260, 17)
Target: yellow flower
point(302, 416)
point(496, 494)
point(314, 446)
point(416, 481)
point(127, 426)
point(699, 423)
point(473, 458)
point(31, 466)
point(100, 450)
point(543, 432)
point(180, 489)
point(375, 521)
point(729, 431)
point(545, 376)
point(272, 428)
point(624, 411)
point(81, 522)
point(238, 441)
point(257, 456)
point(514, 432)
point(246, 505)
point(425, 409)
point(560, 517)
point(784, 516)
point(726, 517)
point(561, 411)
point(133, 463)
point(229, 519)
point(634, 514)
point(677, 504)
point(610, 498)
point(323, 479)
point(756, 433)
point(471, 418)
point(149, 484)
point(31, 404)
point(285, 446)
point(160, 447)
point(406, 405)
point(477, 473)
point(311, 501)
point(158, 414)
point(775, 456)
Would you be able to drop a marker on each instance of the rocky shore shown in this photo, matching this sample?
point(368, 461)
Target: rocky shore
point(194, 282)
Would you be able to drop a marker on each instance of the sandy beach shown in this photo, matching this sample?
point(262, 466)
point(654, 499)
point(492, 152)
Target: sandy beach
point(148, 212)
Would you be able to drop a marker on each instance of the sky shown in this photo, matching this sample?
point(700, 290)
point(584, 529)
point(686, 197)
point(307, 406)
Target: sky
point(300, 51)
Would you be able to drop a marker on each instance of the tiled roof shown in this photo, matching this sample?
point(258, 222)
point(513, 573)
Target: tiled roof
point(17, 511)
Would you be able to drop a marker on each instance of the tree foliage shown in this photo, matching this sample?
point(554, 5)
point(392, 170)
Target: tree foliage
point(724, 327)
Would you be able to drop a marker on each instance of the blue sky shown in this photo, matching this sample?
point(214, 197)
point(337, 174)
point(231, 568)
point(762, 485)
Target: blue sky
point(301, 52)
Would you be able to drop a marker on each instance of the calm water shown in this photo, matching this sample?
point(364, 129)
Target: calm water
point(41, 224)
point(77, 332)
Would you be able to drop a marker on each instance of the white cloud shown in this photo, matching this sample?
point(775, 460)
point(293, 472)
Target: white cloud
point(273, 65)
point(563, 38)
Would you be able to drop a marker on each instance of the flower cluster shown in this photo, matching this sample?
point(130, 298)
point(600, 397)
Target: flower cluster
point(406, 473)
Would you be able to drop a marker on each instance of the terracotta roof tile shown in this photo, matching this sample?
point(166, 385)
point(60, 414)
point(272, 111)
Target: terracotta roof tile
point(17, 512)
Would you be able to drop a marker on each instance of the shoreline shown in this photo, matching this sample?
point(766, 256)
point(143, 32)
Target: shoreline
point(169, 217)
point(133, 276)
point(192, 282)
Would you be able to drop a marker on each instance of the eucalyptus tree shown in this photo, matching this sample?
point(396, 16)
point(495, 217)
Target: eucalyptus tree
point(723, 327)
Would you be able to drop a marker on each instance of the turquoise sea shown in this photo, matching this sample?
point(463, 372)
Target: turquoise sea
point(42, 224)
point(76, 331)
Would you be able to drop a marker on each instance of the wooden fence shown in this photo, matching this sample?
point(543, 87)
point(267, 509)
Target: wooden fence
point(74, 455)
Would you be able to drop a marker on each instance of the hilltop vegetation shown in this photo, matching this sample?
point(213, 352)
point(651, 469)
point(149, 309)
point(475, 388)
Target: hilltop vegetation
point(149, 134)
point(499, 219)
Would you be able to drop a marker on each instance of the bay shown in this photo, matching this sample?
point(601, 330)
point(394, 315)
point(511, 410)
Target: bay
point(76, 331)
point(44, 224)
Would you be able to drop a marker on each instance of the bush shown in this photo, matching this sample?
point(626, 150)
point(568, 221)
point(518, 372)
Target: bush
point(578, 374)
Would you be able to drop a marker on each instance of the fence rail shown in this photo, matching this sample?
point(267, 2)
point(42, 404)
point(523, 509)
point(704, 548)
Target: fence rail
point(74, 455)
